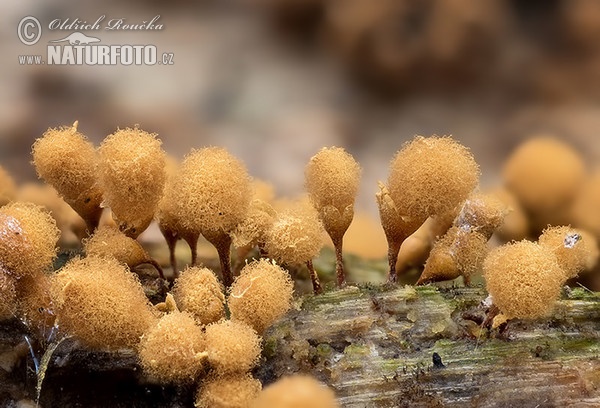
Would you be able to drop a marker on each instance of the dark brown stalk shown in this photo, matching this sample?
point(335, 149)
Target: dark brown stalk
point(222, 242)
point(317, 289)
point(171, 238)
point(339, 261)
point(393, 250)
point(192, 241)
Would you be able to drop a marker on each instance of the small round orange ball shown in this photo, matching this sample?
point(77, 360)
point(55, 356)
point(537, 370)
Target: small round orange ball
point(233, 347)
point(296, 391)
point(260, 295)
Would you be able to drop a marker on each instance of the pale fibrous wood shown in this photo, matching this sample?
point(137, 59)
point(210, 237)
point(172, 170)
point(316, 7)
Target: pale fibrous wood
point(374, 346)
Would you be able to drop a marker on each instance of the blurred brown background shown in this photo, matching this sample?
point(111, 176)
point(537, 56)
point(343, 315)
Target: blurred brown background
point(275, 80)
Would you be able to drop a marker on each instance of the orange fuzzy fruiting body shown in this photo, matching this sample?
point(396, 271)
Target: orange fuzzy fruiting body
point(523, 278)
point(253, 229)
point(199, 292)
point(100, 302)
point(35, 303)
point(8, 189)
point(483, 213)
point(574, 251)
point(232, 391)
point(430, 176)
point(263, 190)
point(132, 174)
point(212, 191)
point(173, 351)
point(460, 252)
point(332, 179)
point(65, 159)
point(28, 238)
point(110, 242)
point(296, 235)
point(72, 226)
point(232, 347)
point(545, 174)
point(296, 391)
point(8, 296)
point(515, 226)
point(260, 295)
point(396, 226)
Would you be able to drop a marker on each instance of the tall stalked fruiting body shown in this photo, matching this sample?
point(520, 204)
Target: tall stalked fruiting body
point(213, 191)
point(167, 220)
point(296, 237)
point(260, 295)
point(28, 238)
point(101, 303)
point(64, 158)
point(332, 179)
point(545, 175)
point(132, 175)
point(524, 279)
point(428, 176)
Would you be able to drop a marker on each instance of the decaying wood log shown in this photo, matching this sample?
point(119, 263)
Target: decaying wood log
point(375, 347)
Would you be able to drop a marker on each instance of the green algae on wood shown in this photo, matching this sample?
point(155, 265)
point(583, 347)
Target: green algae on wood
point(374, 346)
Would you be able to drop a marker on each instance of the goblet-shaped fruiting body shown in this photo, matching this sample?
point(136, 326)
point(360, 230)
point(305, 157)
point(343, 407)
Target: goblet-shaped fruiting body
point(65, 159)
point(460, 252)
point(462, 249)
point(545, 174)
point(166, 217)
point(332, 179)
point(213, 191)
point(428, 176)
point(296, 237)
point(132, 175)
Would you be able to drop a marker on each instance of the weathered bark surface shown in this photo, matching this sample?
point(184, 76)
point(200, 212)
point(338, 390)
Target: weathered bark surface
point(374, 346)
